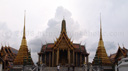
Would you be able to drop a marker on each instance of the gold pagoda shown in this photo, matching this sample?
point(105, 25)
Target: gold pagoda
point(101, 57)
point(23, 53)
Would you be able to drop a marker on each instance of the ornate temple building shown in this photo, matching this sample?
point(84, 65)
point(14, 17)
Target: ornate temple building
point(121, 53)
point(63, 51)
point(101, 57)
point(7, 55)
point(116, 57)
point(23, 55)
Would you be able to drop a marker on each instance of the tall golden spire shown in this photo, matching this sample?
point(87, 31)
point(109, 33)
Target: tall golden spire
point(23, 51)
point(24, 24)
point(101, 43)
point(24, 42)
point(101, 52)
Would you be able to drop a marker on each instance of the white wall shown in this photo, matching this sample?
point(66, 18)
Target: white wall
point(0, 67)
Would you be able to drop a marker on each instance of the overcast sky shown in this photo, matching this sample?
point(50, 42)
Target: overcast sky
point(44, 17)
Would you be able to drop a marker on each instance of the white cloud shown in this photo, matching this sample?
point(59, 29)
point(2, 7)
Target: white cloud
point(53, 30)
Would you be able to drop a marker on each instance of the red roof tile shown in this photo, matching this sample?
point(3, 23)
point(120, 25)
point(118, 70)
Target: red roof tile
point(76, 45)
point(49, 46)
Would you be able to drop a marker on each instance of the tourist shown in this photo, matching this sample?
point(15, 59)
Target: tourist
point(58, 68)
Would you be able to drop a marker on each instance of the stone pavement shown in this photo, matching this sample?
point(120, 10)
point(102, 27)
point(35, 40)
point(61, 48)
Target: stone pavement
point(61, 69)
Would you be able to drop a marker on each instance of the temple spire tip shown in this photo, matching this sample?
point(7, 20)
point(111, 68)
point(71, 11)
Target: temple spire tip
point(100, 28)
point(24, 23)
point(63, 27)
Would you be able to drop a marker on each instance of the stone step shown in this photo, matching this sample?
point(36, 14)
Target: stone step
point(61, 69)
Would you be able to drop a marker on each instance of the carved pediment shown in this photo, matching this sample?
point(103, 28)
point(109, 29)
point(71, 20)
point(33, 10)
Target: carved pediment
point(63, 45)
point(63, 42)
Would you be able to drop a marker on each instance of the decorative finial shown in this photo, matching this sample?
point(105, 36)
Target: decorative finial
point(24, 16)
point(41, 43)
point(1, 45)
point(100, 28)
point(54, 40)
point(80, 42)
point(70, 38)
point(5, 44)
point(24, 42)
point(24, 23)
point(123, 45)
point(8, 44)
point(118, 45)
point(85, 44)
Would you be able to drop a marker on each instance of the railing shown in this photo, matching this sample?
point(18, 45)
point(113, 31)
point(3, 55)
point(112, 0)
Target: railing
point(39, 68)
point(35, 69)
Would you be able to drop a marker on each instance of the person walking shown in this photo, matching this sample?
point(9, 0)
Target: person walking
point(58, 68)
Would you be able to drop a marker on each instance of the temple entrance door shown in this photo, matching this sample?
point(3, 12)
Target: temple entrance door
point(63, 60)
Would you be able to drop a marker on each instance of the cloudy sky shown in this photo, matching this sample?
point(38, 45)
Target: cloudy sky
point(44, 17)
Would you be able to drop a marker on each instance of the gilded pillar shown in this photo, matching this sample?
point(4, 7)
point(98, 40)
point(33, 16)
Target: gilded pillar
point(39, 58)
point(57, 58)
point(84, 59)
point(52, 58)
point(87, 60)
point(45, 59)
point(57, 62)
point(49, 59)
point(73, 58)
point(68, 56)
point(80, 59)
point(76, 59)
